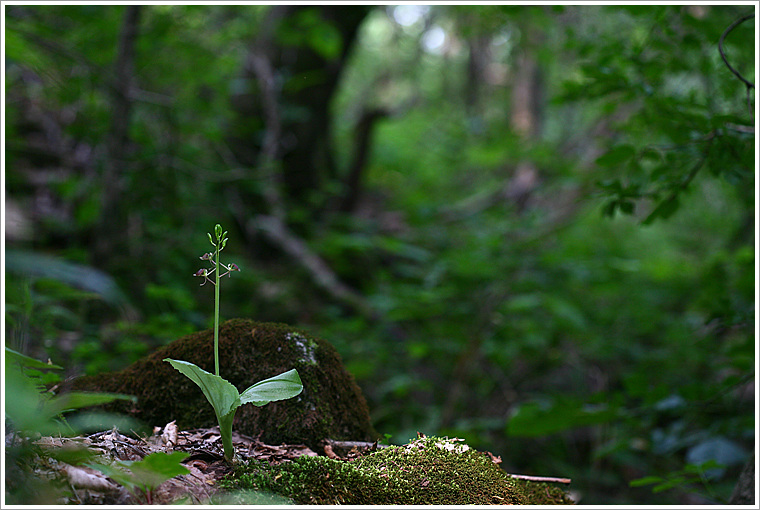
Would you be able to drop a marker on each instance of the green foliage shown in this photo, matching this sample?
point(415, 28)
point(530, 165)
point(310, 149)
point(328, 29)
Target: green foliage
point(690, 474)
point(30, 408)
point(682, 125)
point(142, 477)
point(225, 399)
point(494, 317)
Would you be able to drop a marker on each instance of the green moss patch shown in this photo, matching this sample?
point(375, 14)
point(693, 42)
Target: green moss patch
point(330, 406)
point(427, 471)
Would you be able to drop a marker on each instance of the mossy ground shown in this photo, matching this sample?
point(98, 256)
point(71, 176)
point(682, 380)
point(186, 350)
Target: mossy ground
point(427, 471)
point(330, 406)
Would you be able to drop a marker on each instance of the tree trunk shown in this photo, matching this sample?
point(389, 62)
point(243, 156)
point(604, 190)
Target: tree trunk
point(111, 227)
point(744, 491)
point(307, 48)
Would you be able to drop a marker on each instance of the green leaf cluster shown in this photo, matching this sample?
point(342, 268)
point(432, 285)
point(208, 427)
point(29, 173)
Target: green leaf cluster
point(225, 399)
point(143, 476)
point(30, 408)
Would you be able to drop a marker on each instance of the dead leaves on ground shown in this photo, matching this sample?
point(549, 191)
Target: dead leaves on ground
point(63, 461)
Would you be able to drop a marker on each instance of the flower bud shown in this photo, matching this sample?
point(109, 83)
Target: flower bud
point(200, 272)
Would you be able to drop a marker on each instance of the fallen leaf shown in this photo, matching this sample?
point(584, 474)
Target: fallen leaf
point(169, 435)
point(86, 478)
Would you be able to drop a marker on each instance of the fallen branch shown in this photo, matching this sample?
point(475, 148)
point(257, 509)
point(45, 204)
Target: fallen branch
point(278, 232)
point(353, 444)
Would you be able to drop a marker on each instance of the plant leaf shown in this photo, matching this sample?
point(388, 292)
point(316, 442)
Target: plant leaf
point(647, 480)
point(664, 210)
point(158, 467)
point(222, 395)
point(225, 430)
point(79, 399)
point(26, 361)
point(280, 387)
point(116, 474)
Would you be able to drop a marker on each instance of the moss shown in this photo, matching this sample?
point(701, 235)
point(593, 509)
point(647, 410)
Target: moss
point(331, 405)
point(540, 493)
point(428, 471)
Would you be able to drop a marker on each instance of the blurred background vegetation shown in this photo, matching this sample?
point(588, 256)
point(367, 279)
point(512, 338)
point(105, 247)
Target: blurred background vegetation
point(532, 227)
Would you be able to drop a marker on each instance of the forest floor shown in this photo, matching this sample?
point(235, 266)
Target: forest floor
point(97, 481)
point(205, 463)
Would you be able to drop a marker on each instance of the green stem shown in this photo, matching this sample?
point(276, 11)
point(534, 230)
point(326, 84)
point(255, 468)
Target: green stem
point(216, 312)
point(225, 429)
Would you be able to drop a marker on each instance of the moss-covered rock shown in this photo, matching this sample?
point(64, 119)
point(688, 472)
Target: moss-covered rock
point(330, 406)
point(427, 471)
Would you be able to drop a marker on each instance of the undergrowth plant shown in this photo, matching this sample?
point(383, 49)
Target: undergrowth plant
point(221, 394)
point(142, 477)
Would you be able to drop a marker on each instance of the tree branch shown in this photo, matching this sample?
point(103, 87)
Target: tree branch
point(733, 25)
point(277, 232)
point(746, 82)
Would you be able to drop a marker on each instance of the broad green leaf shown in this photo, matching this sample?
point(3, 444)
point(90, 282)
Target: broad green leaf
point(79, 399)
point(26, 361)
point(616, 156)
point(158, 467)
point(22, 400)
point(116, 474)
point(29, 410)
point(75, 275)
point(664, 210)
point(222, 395)
point(670, 484)
point(148, 473)
point(647, 480)
point(280, 387)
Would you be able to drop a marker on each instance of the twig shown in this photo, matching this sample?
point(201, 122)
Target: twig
point(733, 25)
point(358, 444)
point(550, 479)
point(741, 128)
point(746, 82)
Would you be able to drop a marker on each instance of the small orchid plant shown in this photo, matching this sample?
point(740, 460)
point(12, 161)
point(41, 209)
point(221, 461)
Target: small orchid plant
point(221, 394)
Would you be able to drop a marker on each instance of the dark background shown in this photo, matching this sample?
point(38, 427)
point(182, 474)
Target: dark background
point(529, 227)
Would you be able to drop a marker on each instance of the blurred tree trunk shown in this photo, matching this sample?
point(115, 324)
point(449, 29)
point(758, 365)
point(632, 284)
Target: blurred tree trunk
point(109, 232)
point(282, 129)
point(307, 48)
point(362, 143)
point(477, 63)
point(744, 491)
point(525, 119)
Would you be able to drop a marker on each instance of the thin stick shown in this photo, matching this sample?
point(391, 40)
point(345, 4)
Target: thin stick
point(746, 82)
point(736, 23)
point(541, 478)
